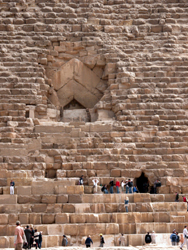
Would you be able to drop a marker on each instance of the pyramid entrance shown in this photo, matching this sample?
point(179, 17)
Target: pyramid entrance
point(142, 183)
point(74, 111)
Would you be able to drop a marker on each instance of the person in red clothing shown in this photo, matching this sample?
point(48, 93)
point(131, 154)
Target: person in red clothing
point(184, 199)
point(117, 186)
point(18, 236)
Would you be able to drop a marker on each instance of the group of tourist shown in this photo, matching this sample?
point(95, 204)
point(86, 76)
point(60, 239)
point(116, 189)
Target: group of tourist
point(27, 237)
point(124, 186)
point(175, 239)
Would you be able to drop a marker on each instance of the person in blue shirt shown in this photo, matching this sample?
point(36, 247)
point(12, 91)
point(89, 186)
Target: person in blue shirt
point(135, 190)
point(173, 237)
point(88, 241)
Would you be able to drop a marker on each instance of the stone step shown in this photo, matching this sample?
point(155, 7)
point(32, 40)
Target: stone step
point(81, 229)
point(38, 217)
point(111, 242)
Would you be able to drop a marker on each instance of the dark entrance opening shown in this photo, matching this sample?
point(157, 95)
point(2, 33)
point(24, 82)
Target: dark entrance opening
point(142, 183)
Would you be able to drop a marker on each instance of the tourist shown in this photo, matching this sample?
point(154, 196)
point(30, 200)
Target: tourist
point(64, 241)
point(111, 186)
point(18, 236)
point(146, 187)
point(12, 185)
point(32, 235)
point(40, 239)
point(184, 198)
point(122, 240)
point(173, 237)
point(101, 240)
point(81, 181)
point(88, 241)
point(177, 197)
point(104, 189)
point(95, 182)
point(122, 185)
point(130, 184)
point(126, 204)
point(135, 190)
point(185, 235)
point(148, 238)
point(27, 232)
point(126, 187)
point(117, 186)
point(36, 237)
point(153, 237)
point(157, 184)
point(177, 239)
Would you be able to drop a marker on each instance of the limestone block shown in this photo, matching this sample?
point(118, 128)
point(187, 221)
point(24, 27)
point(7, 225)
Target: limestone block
point(62, 198)
point(89, 190)
point(75, 198)
point(44, 187)
point(12, 218)
point(92, 218)
point(3, 173)
point(115, 173)
point(39, 208)
point(48, 199)
point(62, 218)
point(35, 218)
point(10, 230)
point(55, 229)
point(177, 219)
point(157, 197)
point(3, 230)
point(68, 208)
point(23, 190)
point(48, 218)
point(52, 241)
point(145, 207)
point(161, 217)
point(139, 197)
point(61, 173)
point(24, 208)
point(29, 199)
point(78, 218)
point(135, 241)
point(24, 218)
point(105, 218)
point(101, 173)
point(83, 208)
point(72, 230)
point(8, 199)
point(4, 242)
point(4, 218)
point(111, 208)
point(127, 229)
point(112, 228)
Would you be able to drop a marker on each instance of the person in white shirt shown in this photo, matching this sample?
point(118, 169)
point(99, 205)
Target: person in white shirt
point(95, 182)
point(185, 237)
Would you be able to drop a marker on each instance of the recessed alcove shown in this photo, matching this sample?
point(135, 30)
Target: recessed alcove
point(142, 183)
point(74, 111)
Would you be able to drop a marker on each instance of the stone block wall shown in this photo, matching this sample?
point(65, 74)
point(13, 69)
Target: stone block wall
point(125, 63)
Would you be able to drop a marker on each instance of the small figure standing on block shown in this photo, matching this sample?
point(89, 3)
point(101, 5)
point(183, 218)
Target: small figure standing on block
point(126, 204)
point(64, 241)
point(95, 182)
point(12, 185)
point(101, 240)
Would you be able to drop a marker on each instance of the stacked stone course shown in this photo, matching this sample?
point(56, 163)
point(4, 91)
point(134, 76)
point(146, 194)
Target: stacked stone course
point(137, 51)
